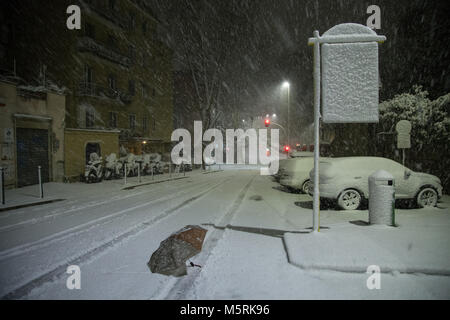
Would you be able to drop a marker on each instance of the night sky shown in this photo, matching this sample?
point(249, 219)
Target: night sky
point(254, 45)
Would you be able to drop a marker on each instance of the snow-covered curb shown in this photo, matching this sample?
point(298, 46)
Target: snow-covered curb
point(350, 248)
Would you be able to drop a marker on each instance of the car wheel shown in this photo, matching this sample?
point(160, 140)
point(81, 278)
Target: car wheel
point(350, 199)
point(427, 197)
point(305, 186)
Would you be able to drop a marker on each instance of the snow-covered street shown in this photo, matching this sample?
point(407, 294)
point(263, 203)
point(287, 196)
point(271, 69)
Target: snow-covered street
point(111, 232)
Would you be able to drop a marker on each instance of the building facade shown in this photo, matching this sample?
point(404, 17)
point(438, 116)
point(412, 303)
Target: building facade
point(32, 134)
point(115, 72)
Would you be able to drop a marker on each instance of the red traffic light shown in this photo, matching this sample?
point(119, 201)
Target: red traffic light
point(287, 148)
point(267, 122)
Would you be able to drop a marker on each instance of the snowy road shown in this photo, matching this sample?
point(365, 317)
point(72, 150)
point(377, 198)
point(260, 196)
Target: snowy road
point(111, 233)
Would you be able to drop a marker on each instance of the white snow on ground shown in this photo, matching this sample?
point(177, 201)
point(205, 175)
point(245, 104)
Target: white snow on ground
point(111, 233)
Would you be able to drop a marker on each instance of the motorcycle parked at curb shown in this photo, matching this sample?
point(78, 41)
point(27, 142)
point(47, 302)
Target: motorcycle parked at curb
point(94, 169)
point(113, 167)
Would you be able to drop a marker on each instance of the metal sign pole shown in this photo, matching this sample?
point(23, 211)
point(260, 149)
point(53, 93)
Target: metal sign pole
point(125, 172)
point(3, 184)
point(139, 172)
point(316, 201)
point(41, 188)
point(403, 160)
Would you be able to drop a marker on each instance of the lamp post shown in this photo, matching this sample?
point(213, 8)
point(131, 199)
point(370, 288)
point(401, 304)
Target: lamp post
point(287, 85)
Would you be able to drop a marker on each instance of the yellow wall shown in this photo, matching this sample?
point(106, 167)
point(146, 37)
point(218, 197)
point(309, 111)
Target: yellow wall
point(52, 106)
point(75, 148)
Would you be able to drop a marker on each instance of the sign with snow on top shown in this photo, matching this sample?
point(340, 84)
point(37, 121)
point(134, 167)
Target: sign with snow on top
point(403, 129)
point(350, 80)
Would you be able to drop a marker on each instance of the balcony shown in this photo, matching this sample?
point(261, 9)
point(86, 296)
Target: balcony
point(86, 44)
point(89, 89)
point(108, 14)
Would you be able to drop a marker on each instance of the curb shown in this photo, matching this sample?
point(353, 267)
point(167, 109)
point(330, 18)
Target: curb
point(32, 204)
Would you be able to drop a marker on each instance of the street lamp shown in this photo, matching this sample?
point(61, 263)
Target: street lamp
point(287, 85)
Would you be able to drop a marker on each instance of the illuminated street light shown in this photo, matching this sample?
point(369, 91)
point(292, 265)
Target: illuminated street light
point(274, 115)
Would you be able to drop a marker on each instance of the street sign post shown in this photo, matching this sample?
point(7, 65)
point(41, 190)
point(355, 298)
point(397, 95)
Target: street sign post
point(349, 80)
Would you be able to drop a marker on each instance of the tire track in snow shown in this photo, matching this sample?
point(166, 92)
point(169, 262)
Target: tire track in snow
point(60, 270)
point(87, 226)
point(175, 289)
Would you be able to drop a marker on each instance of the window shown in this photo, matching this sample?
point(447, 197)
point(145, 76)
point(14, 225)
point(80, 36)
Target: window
point(112, 4)
point(90, 118)
point(132, 52)
point(111, 42)
point(144, 90)
point(153, 124)
point(144, 27)
point(90, 30)
point(131, 87)
point(112, 82)
point(132, 21)
point(145, 123)
point(132, 121)
point(88, 74)
point(113, 119)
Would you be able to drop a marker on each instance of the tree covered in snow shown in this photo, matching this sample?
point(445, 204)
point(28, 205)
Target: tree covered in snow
point(430, 134)
point(429, 119)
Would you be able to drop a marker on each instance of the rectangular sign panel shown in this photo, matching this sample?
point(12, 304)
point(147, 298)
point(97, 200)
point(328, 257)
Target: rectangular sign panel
point(350, 82)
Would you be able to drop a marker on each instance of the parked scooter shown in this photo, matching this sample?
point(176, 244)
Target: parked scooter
point(132, 165)
point(156, 163)
point(94, 169)
point(146, 164)
point(113, 167)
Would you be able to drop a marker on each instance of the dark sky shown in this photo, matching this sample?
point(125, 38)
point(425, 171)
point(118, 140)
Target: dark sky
point(260, 43)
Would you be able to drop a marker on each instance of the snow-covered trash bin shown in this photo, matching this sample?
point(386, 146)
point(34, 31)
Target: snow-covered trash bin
point(382, 198)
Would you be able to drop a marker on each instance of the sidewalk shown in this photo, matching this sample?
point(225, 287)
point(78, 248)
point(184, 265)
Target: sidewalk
point(56, 191)
point(418, 245)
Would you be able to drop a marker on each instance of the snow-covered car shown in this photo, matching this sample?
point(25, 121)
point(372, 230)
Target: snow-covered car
point(284, 163)
point(296, 172)
point(346, 180)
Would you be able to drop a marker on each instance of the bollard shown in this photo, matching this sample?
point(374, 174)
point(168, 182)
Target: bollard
point(125, 172)
point(41, 187)
point(170, 170)
point(382, 198)
point(139, 172)
point(153, 177)
point(2, 177)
